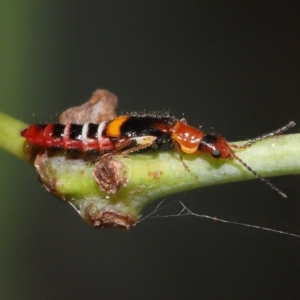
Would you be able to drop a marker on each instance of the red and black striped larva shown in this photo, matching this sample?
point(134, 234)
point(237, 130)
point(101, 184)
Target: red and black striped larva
point(127, 134)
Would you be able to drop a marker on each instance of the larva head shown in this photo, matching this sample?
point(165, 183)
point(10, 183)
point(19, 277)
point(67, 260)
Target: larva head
point(216, 146)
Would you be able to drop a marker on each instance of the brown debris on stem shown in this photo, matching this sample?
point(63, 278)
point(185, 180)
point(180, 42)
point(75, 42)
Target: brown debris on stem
point(107, 218)
point(100, 107)
point(110, 174)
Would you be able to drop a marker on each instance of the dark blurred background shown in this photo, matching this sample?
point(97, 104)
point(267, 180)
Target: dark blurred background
point(233, 66)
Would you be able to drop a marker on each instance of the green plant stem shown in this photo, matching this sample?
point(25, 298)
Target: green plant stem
point(10, 139)
point(153, 175)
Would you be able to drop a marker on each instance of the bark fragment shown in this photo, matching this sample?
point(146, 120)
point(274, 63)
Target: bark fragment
point(110, 174)
point(107, 218)
point(99, 108)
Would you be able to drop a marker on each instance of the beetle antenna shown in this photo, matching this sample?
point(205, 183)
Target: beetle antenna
point(266, 181)
point(266, 135)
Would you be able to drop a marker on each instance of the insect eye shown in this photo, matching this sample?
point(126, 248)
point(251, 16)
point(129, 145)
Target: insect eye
point(216, 153)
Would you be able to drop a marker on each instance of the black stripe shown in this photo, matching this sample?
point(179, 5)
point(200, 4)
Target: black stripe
point(58, 130)
point(92, 131)
point(140, 126)
point(209, 140)
point(75, 132)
